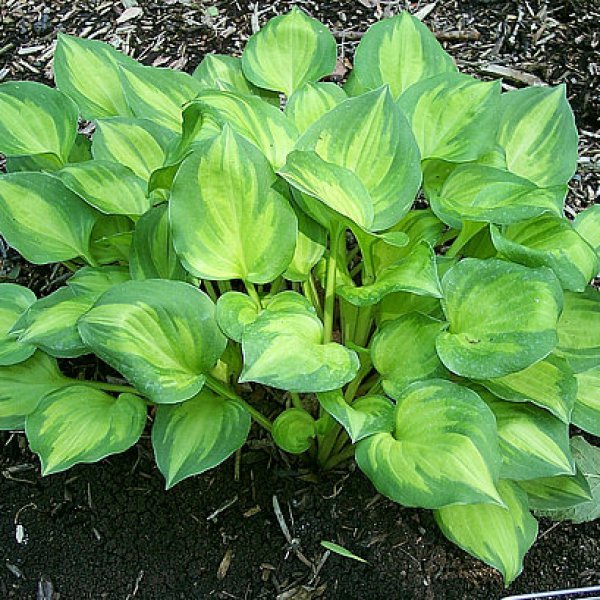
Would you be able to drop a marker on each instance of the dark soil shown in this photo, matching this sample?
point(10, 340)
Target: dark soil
point(110, 531)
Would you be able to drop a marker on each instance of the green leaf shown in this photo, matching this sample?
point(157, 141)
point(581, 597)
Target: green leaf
point(283, 349)
point(152, 252)
point(399, 52)
point(88, 72)
point(587, 225)
point(36, 120)
point(364, 417)
point(51, 323)
point(80, 424)
point(443, 450)
point(311, 242)
point(311, 102)
point(480, 193)
point(111, 188)
point(197, 435)
point(234, 311)
point(256, 120)
point(548, 383)
point(453, 116)
point(533, 443)
point(549, 241)
point(35, 162)
point(402, 303)
point(579, 330)
point(23, 385)
point(586, 412)
point(229, 177)
point(403, 351)
point(111, 239)
point(502, 317)
point(587, 459)
point(289, 51)
point(337, 549)
point(224, 72)
point(416, 274)
point(560, 492)
point(96, 280)
point(159, 94)
point(138, 144)
point(42, 219)
point(294, 430)
point(498, 536)
point(369, 137)
point(14, 301)
point(537, 131)
point(161, 335)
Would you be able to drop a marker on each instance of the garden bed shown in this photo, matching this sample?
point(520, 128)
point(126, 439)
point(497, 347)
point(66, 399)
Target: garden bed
point(110, 531)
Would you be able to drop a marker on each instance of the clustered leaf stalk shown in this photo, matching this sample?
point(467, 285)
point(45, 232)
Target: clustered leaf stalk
point(218, 241)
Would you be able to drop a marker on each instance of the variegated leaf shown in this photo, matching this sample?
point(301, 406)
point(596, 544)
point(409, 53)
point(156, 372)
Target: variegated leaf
point(80, 424)
point(587, 225)
point(399, 51)
point(443, 449)
point(586, 412)
point(294, 430)
point(311, 102)
point(498, 535)
point(560, 492)
point(197, 435)
point(96, 280)
point(311, 242)
point(14, 301)
point(162, 335)
point(502, 317)
point(234, 311)
point(289, 51)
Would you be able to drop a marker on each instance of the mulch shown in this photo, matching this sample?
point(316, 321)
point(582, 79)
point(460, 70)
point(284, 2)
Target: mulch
point(109, 530)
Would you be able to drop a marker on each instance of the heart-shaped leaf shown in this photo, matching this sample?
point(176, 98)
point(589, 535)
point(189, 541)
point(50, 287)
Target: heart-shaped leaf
point(23, 385)
point(234, 311)
point(499, 536)
point(162, 335)
point(364, 417)
point(44, 220)
point(537, 131)
point(453, 116)
point(289, 51)
point(443, 449)
point(36, 120)
point(552, 242)
point(226, 178)
point(403, 351)
point(283, 349)
point(548, 383)
point(399, 52)
point(80, 424)
point(503, 317)
point(14, 301)
point(88, 72)
point(294, 430)
point(197, 435)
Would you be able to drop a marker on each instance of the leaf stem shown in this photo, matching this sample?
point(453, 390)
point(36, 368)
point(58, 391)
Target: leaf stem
point(220, 388)
point(210, 289)
point(296, 400)
point(336, 459)
point(335, 235)
point(253, 293)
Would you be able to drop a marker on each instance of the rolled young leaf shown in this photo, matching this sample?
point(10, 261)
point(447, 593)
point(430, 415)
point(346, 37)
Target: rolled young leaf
point(110, 187)
point(162, 335)
point(36, 120)
point(44, 220)
point(293, 430)
point(399, 51)
point(503, 317)
point(289, 51)
point(88, 72)
point(80, 424)
point(443, 449)
point(537, 131)
point(499, 536)
point(226, 178)
point(23, 385)
point(14, 301)
point(197, 435)
point(453, 116)
point(403, 351)
point(549, 241)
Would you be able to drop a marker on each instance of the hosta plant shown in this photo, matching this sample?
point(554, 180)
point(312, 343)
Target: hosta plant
point(389, 257)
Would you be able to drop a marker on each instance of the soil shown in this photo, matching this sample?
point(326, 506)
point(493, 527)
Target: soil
point(110, 531)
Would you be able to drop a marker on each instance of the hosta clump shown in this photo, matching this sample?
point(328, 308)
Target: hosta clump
point(217, 239)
